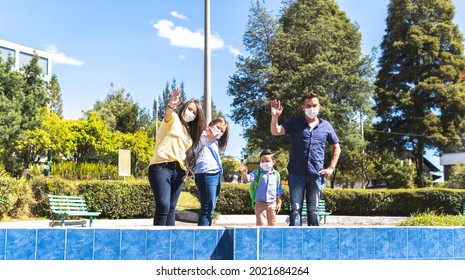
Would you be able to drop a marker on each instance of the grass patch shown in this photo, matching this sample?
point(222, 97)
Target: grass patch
point(433, 219)
point(188, 202)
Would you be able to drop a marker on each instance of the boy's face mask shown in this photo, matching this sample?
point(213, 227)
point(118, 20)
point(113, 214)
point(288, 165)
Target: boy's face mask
point(267, 166)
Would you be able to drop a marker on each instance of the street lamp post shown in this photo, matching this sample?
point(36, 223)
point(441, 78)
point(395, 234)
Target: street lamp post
point(207, 70)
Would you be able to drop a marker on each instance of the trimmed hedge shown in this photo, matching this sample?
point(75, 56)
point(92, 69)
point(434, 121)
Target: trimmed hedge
point(234, 198)
point(399, 202)
point(134, 199)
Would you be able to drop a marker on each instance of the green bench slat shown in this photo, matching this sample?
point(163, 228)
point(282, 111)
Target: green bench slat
point(64, 206)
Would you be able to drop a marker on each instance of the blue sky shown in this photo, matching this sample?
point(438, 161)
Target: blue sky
point(141, 45)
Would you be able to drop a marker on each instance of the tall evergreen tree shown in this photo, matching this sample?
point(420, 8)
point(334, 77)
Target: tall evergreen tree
point(56, 104)
point(420, 101)
point(165, 97)
point(247, 85)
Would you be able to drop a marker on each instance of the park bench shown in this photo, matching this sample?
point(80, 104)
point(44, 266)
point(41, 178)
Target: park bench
point(68, 206)
point(321, 211)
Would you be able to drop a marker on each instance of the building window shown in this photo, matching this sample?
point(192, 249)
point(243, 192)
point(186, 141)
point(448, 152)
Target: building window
point(6, 52)
point(25, 59)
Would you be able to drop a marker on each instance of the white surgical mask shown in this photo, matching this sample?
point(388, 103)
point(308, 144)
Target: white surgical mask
point(189, 115)
point(311, 112)
point(267, 166)
point(216, 131)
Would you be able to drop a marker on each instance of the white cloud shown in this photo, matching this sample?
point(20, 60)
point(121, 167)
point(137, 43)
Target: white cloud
point(234, 51)
point(178, 15)
point(183, 37)
point(61, 58)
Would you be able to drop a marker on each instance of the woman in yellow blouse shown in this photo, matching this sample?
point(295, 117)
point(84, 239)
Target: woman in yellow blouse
point(167, 171)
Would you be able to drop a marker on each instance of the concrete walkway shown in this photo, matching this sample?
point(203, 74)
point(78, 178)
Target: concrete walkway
point(189, 219)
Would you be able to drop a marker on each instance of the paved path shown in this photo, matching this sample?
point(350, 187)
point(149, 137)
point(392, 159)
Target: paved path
point(189, 219)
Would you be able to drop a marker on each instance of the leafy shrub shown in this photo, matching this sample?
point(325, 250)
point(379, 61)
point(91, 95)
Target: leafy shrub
point(119, 199)
point(234, 198)
point(7, 187)
point(433, 219)
point(74, 171)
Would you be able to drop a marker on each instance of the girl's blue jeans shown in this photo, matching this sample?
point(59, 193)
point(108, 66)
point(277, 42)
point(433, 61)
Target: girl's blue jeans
point(208, 187)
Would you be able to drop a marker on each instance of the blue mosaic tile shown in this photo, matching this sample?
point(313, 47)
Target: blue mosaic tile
point(107, 244)
point(446, 243)
point(330, 244)
point(312, 243)
point(366, 243)
point(159, 244)
point(182, 244)
point(271, 243)
point(382, 242)
point(459, 243)
point(2, 243)
point(79, 244)
point(293, 243)
point(399, 243)
point(348, 244)
point(133, 244)
point(206, 241)
point(20, 244)
point(51, 244)
point(430, 243)
point(245, 244)
point(415, 244)
point(225, 249)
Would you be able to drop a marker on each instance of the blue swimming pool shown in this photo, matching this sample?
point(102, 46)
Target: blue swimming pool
point(234, 243)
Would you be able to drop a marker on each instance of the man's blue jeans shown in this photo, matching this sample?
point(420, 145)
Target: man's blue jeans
point(166, 183)
point(312, 188)
point(208, 187)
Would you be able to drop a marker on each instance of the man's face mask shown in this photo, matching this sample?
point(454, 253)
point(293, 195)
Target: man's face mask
point(311, 112)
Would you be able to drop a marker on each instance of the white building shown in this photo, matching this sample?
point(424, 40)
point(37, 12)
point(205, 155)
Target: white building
point(23, 55)
point(450, 159)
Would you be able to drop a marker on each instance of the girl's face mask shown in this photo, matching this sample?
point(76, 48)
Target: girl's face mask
point(216, 131)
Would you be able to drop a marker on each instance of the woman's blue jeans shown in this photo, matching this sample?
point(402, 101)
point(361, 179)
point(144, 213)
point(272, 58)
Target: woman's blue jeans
point(166, 183)
point(312, 188)
point(208, 187)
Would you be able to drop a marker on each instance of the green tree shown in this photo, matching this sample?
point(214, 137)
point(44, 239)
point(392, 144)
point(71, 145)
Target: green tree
point(54, 89)
point(420, 101)
point(457, 176)
point(120, 112)
point(247, 86)
point(313, 47)
point(23, 95)
point(94, 141)
point(165, 97)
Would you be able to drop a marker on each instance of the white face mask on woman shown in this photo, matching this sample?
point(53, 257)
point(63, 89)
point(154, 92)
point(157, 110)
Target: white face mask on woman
point(267, 166)
point(311, 112)
point(189, 115)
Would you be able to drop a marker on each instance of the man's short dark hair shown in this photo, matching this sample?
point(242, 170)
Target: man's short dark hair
point(309, 95)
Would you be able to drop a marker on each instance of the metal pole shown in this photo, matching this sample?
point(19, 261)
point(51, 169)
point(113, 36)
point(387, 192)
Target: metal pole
point(207, 70)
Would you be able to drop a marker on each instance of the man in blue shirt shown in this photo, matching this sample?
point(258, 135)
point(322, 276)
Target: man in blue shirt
point(308, 135)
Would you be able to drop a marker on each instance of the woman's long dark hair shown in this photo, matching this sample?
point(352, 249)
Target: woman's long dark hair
point(198, 125)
